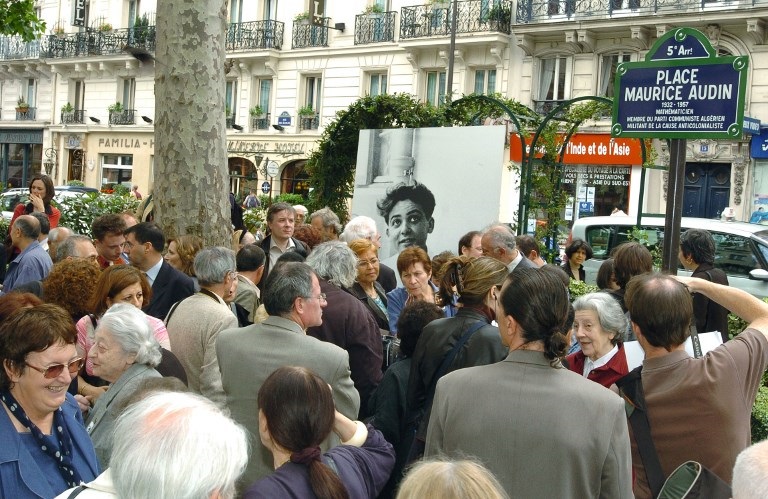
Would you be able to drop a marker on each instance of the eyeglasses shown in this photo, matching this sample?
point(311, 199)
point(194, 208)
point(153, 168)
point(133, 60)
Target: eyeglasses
point(233, 274)
point(368, 263)
point(127, 246)
point(320, 297)
point(55, 370)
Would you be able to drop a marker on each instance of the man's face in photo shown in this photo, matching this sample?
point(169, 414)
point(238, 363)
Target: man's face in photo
point(408, 226)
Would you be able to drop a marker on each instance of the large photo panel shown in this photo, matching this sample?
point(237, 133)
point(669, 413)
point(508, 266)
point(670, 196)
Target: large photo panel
point(428, 186)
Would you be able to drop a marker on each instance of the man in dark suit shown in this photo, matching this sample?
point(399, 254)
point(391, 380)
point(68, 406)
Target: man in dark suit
point(280, 221)
point(144, 244)
point(499, 242)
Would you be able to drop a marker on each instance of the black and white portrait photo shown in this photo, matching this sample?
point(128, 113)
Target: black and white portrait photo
point(426, 187)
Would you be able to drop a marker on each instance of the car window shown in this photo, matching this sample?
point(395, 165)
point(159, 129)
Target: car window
point(9, 202)
point(599, 238)
point(734, 254)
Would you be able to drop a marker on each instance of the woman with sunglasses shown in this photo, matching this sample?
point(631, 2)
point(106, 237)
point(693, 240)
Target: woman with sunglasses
point(45, 449)
point(124, 353)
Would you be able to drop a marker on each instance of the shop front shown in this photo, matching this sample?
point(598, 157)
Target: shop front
point(115, 159)
point(269, 167)
point(21, 154)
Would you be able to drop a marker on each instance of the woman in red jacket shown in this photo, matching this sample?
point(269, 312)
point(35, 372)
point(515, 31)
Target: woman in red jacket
point(40, 195)
point(599, 325)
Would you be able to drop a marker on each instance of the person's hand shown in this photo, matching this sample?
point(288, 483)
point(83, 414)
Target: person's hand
point(689, 282)
point(83, 403)
point(37, 203)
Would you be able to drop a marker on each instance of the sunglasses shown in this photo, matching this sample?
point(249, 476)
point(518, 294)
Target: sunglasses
point(55, 370)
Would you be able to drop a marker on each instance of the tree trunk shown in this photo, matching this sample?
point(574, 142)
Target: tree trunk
point(191, 188)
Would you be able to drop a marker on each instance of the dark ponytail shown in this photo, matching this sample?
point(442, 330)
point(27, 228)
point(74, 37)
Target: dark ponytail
point(325, 483)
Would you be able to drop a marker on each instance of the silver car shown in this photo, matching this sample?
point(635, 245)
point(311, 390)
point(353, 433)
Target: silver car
point(741, 248)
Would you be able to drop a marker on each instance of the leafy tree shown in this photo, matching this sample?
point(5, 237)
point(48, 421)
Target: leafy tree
point(18, 17)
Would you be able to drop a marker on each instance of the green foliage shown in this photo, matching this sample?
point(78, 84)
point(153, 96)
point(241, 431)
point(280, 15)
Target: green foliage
point(290, 198)
point(67, 108)
point(5, 225)
point(759, 418)
point(306, 110)
point(78, 212)
point(117, 107)
point(265, 200)
point(121, 190)
point(641, 237)
point(374, 9)
point(255, 219)
point(304, 16)
point(17, 17)
point(256, 111)
point(21, 103)
point(735, 325)
point(580, 288)
point(77, 183)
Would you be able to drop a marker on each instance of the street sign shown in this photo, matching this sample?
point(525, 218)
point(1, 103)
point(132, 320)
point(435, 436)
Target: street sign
point(272, 169)
point(751, 125)
point(681, 90)
point(266, 187)
point(284, 119)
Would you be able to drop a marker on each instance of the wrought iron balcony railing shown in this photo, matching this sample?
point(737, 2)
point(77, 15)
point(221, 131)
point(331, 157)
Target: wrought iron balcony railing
point(124, 117)
point(375, 27)
point(26, 114)
point(100, 42)
point(532, 11)
point(306, 35)
point(255, 35)
point(14, 48)
point(309, 122)
point(229, 121)
point(260, 122)
point(73, 117)
point(546, 106)
point(473, 16)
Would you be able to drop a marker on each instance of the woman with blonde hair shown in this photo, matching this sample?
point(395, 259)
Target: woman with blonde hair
point(366, 288)
point(468, 339)
point(181, 254)
point(450, 480)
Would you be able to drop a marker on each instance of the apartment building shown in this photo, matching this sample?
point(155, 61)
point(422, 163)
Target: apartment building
point(90, 105)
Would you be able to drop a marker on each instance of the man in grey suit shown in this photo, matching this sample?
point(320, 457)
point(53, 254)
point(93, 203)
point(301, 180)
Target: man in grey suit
point(499, 242)
point(543, 430)
point(247, 356)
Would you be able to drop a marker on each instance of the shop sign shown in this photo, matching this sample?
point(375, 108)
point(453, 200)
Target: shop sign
point(588, 148)
point(759, 146)
point(21, 136)
point(125, 143)
point(596, 175)
point(253, 146)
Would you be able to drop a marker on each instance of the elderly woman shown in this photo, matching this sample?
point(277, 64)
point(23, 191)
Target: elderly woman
point(599, 325)
point(366, 288)
point(697, 254)
point(578, 251)
point(116, 284)
point(124, 353)
point(45, 448)
point(296, 413)
point(415, 270)
point(181, 254)
point(466, 340)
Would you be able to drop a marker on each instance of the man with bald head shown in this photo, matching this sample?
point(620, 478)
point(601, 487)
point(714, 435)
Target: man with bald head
point(33, 262)
point(499, 242)
point(57, 236)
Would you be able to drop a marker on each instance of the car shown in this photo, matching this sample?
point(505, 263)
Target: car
point(741, 248)
point(12, 197)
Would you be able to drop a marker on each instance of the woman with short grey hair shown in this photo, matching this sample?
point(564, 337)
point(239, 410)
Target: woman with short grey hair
point(599, 325)
point(124, 353)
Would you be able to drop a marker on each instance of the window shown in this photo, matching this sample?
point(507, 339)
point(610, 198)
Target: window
point(129, 92)
point(231, 98)
point(78, 99)
point(552, 81)
point(485, 81)
point(377, 84)
point(312, 93)
point(235, 11)
point(116, 170)
point(31, 96)
point(133, 12)
point(608, 65)
point(265, 92)
point(270, 9)
point(436, 87)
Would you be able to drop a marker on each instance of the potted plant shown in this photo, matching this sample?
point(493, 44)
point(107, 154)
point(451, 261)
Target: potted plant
point(228, 111)
point(105, 27)
point(67, 113)
point(22, 106)
point(374, 11)
point(58, 31)
point(256, 111)
point(115, 109)
point(500, 15)
point(302, 18)
point(307, 111)
point(67, 108)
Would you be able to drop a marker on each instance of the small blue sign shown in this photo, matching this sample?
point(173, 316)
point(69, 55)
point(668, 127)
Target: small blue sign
point(284, 119)
point(585, 207)
point(759, 146)
point(751, 125)
point(266, 187)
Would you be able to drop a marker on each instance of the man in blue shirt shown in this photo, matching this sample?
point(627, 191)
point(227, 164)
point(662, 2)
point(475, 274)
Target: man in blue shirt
point(33, 263)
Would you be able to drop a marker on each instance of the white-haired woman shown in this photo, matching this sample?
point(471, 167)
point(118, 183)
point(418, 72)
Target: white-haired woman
point(124, 353)
point(599, 325)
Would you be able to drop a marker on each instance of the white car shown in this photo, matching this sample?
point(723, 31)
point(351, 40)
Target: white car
point(12, 197)
point(741, 248)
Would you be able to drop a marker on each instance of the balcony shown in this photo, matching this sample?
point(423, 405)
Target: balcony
point(124, 117)
point(26, 114)
point(100, 42)
point(309, 122)
point(534, 11)
point(260, 122)
point(255, 35)
point(76, 117)
point(375, 27)
point(474, 16)
point(306, 35)
point(14, 48)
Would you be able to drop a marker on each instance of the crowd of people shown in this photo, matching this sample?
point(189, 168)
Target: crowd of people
point(299, 365)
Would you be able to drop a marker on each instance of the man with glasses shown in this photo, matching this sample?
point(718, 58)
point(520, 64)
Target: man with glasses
point(195, 323)
point(246, 356)
point(108, 238)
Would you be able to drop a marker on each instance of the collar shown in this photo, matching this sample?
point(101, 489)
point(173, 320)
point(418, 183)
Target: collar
point(665, 361)
point(528, 357)
point(153, 271)
point(241, 277)
point(283, 323)
point(590, 366)
point(273, 244)
point(102, 483)
point(32, 246)
point(519, 258)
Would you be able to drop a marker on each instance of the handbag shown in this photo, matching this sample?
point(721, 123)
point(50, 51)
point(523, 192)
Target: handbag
point(690, 480)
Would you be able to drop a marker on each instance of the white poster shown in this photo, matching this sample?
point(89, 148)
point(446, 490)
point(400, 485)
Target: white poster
point(428, 186)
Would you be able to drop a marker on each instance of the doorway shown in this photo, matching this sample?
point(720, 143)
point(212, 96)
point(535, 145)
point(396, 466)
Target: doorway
point(707, 189)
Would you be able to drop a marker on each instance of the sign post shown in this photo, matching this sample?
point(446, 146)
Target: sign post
point(682, 90)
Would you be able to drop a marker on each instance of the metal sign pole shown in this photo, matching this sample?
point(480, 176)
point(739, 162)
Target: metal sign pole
point(675, 188)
